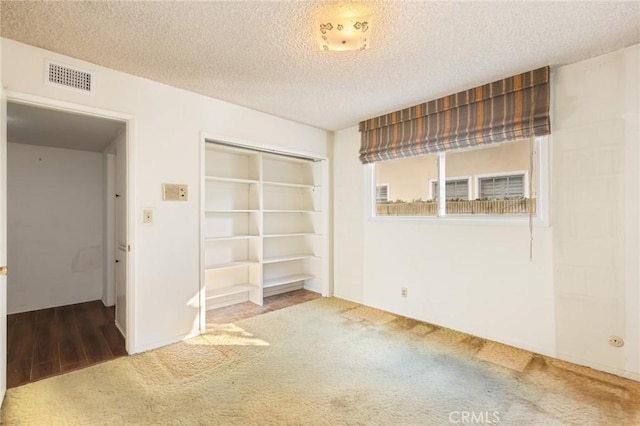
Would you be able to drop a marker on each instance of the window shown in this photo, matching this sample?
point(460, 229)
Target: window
point(502, 187)
point(410, 179)
point(491, 180)
point(456, 189)
point(382, 193)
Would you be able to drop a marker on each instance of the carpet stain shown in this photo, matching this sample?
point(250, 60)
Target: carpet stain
point(469, 346)
point(505, 356)
point(183, 364)
point(422, 329)
point(328, 362)
point(404, 323)
point(615, 399)
point(347, 401)
point(445, 336)
point(367, 314)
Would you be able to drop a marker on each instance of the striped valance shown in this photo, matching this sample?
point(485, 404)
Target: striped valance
point(510, 109)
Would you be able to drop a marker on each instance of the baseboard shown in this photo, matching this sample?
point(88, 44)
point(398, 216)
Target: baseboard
point(105, 303)
point(120, 329)
point(600, 367)
point(348, 299)
point(227, 300)
point(519, 345)
point(57, 305)
point(161, 343)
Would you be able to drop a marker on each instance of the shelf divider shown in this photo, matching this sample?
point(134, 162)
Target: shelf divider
point(291, 211)
point(227, 265)
point(230, 290)
point(232, 211)
point(271, 282)
point(289, 184)
point(276, 259)
point(231, 237)
point(229, 179)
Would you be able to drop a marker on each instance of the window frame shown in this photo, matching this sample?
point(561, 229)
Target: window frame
point(541, 159)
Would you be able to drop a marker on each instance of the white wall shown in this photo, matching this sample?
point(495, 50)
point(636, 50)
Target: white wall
point(473, 277)
point(165, 147)
point(596, 257)
point(348, 219)
point(54, 227)
point(477, 278)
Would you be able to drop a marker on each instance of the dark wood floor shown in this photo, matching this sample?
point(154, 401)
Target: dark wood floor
point(52, 341)
point(49, 342)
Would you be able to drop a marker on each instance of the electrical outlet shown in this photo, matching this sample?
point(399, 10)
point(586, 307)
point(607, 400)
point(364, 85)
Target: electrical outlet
point(616, 341)
point(404, 292)
point(147, 216)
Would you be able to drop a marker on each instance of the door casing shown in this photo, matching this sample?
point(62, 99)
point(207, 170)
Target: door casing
point(38, 101)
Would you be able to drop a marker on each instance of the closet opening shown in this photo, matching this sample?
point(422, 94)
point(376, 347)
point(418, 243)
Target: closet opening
point(264, 228)
point(66, 240)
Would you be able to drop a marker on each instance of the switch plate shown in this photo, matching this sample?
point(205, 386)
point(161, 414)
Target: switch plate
point(174, 192)
point(147, 215)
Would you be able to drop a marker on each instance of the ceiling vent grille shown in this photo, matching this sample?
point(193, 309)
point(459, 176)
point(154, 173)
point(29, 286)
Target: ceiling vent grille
point(71, 78)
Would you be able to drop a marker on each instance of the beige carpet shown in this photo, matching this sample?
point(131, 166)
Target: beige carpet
point(328, 362)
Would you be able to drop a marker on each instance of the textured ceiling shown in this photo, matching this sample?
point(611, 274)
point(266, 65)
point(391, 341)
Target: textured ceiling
point(46, 127)
point(262, 54)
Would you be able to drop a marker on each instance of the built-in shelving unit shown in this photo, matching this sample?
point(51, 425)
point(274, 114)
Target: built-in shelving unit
point(263, 225)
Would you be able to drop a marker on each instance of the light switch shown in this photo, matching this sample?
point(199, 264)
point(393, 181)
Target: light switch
point(147, 216)
point(174, 192)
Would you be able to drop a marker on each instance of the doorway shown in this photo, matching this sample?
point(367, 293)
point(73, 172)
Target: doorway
point(67, 240)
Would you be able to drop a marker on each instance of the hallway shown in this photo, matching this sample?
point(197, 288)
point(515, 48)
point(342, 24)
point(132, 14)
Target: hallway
point(52, 341)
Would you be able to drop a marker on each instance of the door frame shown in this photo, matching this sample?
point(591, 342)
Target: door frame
point(3, 242)
point(128, 119)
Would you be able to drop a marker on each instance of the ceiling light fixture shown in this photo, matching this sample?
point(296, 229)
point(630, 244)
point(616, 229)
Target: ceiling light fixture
point(344, 33)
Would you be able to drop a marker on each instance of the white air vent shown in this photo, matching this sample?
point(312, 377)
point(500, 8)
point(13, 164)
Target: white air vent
point(71, 78)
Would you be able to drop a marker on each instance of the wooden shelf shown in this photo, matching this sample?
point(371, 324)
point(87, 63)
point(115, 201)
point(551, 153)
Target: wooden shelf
point(289, 185)
point(293, 234)
point(277, 259)
point(228, 265)
point(291, 211)
point(286, 280)
point(233, 237)
point(231, 211)
point(228, 179)
point(229, 291)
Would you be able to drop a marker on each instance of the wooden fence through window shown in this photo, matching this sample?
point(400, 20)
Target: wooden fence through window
point(430, 208)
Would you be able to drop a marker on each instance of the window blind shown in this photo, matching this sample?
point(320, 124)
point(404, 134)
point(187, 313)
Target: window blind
point(382, 193)
point(505, 110)
point(502, 187)
point(454, 189)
